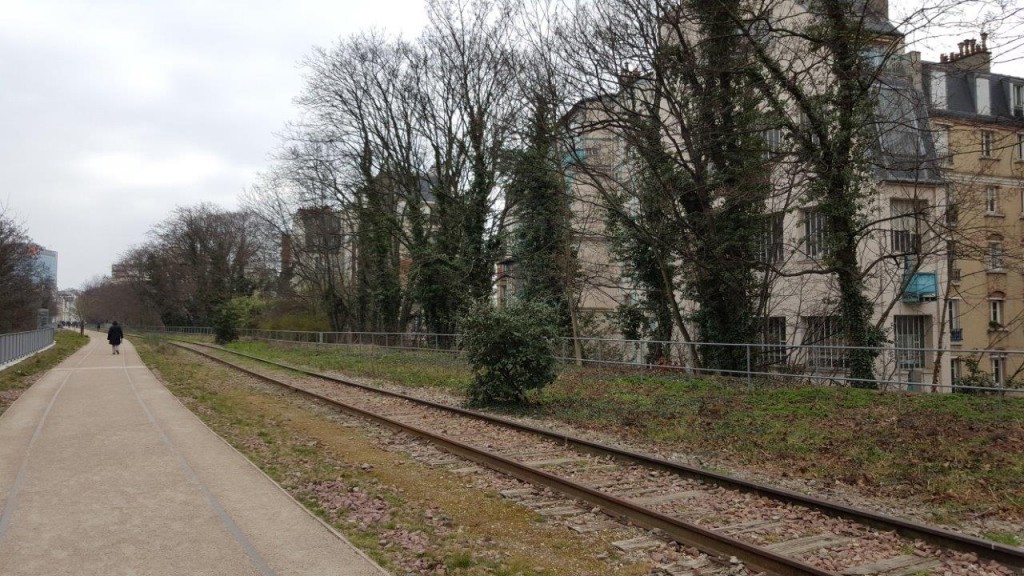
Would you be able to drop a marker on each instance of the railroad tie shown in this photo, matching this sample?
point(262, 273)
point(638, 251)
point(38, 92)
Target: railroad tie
point(595, 526)
point(747, 527)
point(898, 566)
point(638, 543)
point(466, 470)
point(514, 493)
point(551, 462)
point(808, 544)
point(561, 511)
point(664, 498)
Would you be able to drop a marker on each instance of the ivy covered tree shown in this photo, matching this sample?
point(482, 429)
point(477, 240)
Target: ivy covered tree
point(672, 82)
point(545, 266)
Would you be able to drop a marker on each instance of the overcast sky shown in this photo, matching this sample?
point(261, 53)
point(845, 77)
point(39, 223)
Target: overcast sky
point(114, 112)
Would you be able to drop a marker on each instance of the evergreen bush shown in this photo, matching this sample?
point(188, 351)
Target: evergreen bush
point(226, 319)
point(510, 350)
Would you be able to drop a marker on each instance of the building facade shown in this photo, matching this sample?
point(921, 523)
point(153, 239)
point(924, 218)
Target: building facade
point(47, 260)
point(942, 247)
point(977, 122)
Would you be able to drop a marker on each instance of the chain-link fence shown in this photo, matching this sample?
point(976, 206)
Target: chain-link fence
point(895, 368)
point(16, 346)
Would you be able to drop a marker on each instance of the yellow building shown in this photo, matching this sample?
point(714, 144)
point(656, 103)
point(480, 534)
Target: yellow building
point(977, 121)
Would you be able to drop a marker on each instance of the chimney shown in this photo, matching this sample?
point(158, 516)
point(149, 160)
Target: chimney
point(970, 57)
point(879, 8)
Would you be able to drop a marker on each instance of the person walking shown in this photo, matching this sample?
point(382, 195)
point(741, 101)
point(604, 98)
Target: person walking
point(114, 336)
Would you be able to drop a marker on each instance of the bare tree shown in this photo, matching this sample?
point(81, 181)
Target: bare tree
point(23, 290)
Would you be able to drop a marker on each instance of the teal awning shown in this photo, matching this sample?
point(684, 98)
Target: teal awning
point(574, 157)
point(921, 287)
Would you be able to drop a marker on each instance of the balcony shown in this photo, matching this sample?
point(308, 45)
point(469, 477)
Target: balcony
point(920, 287)
point(956, 335)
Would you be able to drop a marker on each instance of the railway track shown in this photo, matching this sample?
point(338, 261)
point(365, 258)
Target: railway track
point(767, 529)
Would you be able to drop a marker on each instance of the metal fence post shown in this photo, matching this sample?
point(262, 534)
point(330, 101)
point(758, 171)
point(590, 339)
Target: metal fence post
point(750, 374)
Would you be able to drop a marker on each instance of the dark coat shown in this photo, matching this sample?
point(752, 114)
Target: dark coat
point(114, 335)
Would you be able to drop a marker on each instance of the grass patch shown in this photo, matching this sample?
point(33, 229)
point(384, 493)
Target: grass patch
point(411, 518)
point(948, 450)
point(1007, 538)
point(415, 369)
point(19, 377)
point(956, 453)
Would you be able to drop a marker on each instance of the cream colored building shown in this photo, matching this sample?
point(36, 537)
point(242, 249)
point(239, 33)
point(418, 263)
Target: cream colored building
point(977, 119)
point(902, 252)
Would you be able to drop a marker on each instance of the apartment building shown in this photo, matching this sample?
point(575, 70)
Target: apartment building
point(902, 252)
point(977, 121)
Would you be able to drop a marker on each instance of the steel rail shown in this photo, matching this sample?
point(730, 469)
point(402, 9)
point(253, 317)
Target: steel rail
point(937, 536)
point(686, 533)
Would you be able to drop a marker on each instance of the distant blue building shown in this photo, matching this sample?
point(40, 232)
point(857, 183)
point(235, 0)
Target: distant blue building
point(47, 260)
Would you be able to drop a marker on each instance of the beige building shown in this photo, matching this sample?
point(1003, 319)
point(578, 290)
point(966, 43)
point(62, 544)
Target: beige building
point(977, 119)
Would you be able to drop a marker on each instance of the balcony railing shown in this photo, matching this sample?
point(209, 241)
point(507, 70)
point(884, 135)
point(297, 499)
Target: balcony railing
point(956, 335)
point(954, 275)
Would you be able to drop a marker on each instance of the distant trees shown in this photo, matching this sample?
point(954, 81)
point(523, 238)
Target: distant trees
point(407, 143)
point(23, 289)
point(102, 300)
point(198, 261)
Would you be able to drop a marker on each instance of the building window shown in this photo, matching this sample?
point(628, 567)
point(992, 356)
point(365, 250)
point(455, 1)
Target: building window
point(956, 370)
point(983, 96)
point(995, 313)
point(775, 338)
point(1018, 100)
point(992, 200)
point(942, 144)
point(595, 152)
point(774, 140)
point(995, 256)
point(823, 338)
point(1019, 148)
point(987, 143)
point(956, 330)
point(998, 369)
point(909, 338)
point(771, 240)
point(905, 230)
point(938, 89)
point(816, 232)
point(952, 215)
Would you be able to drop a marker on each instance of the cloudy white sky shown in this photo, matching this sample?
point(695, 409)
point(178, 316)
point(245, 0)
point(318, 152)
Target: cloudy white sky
point(113, 112)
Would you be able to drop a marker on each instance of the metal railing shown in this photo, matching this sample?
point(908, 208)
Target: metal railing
point(895, 367)
point(17, 346)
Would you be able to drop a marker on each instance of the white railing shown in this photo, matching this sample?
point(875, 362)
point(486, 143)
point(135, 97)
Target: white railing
point(895, 368)
point(17, 346)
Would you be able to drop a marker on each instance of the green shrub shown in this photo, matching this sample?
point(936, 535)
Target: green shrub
point(510, 349)
point(226, 320)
